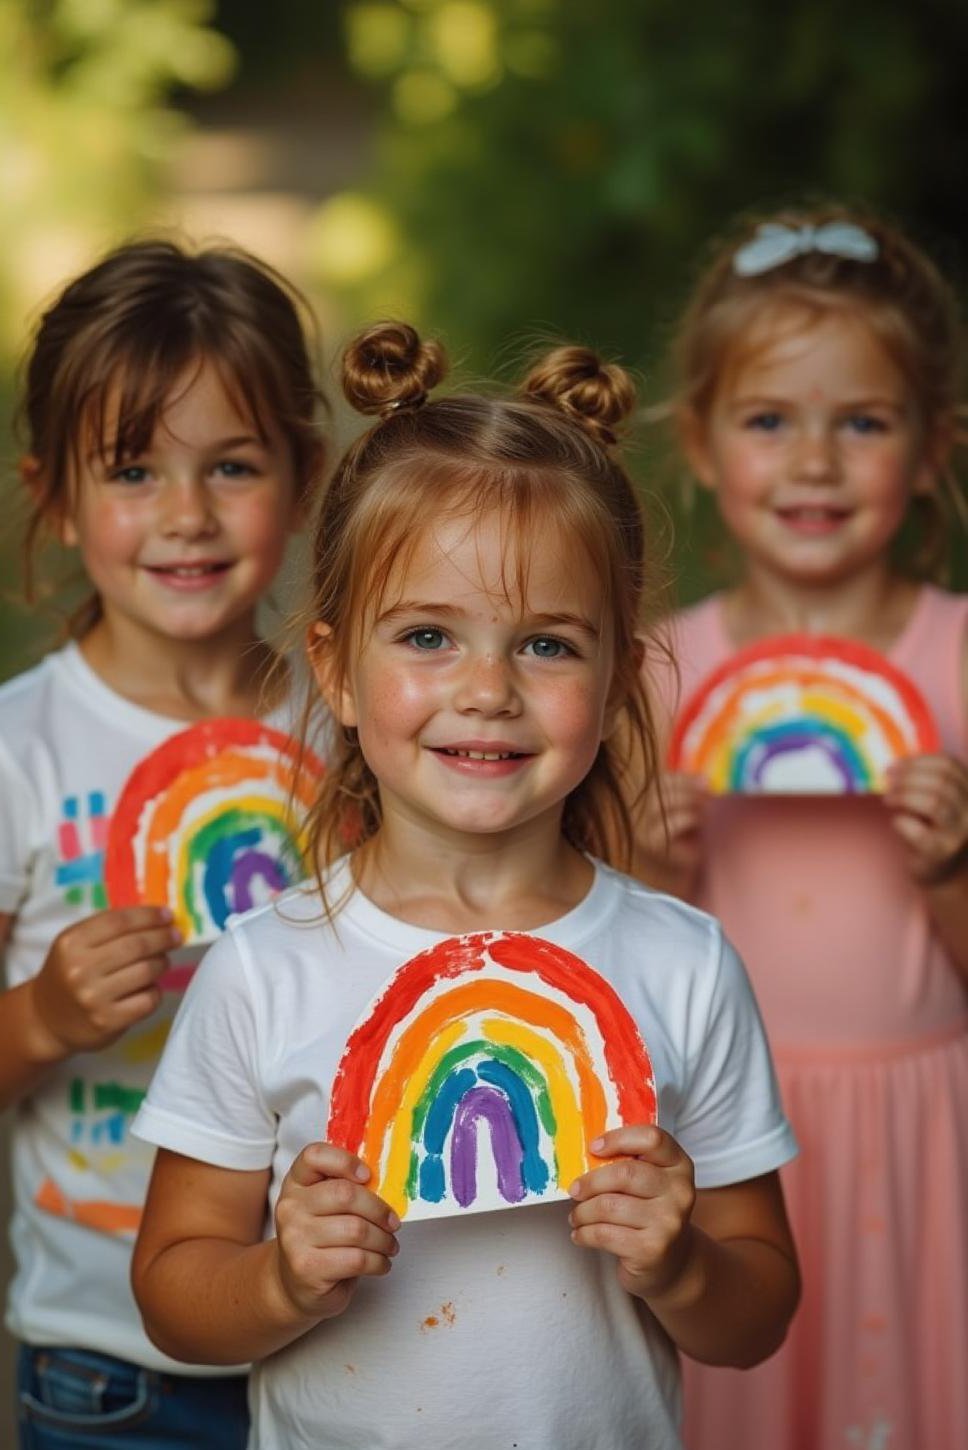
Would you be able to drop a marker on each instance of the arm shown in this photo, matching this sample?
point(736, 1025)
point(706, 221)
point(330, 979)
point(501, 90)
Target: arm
point(202, 1225)
point(717, 1268)
point(97, 980)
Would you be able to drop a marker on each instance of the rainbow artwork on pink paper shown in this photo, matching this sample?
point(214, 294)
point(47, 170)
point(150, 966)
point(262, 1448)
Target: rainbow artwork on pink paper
point(478, 1077)
point(802, 715)
point(205, 824)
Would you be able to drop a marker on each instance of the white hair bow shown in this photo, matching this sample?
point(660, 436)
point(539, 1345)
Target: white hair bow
point(775, 243)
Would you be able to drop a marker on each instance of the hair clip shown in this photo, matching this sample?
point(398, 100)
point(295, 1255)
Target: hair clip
point(775, 244)
point(398, 404)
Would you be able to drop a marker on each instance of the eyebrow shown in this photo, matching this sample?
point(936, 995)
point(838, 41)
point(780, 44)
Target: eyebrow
point(438, 610)
point(758, 400)
point(108, 451)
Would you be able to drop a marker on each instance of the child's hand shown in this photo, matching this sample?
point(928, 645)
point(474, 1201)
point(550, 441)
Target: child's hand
point(98, 978)
point(927, 797)
point(638, 1207)
point(331, 1230)
point(673, 841)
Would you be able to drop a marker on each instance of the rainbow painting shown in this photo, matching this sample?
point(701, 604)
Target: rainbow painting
point(478, 1077)
point(802, 715)
point(205, 824)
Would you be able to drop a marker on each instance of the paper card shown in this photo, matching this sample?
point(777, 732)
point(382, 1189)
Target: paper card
point(802, 714)
point(205, 824)
point(478, 1077)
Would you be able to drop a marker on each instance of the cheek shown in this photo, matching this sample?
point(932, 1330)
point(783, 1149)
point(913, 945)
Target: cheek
point(113, 535)
point(391, 701)
point(575, 716)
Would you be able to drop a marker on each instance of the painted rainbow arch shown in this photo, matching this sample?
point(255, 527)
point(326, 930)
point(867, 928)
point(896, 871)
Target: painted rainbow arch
point(497, 1038)
point(205, 824)
point(802, 714)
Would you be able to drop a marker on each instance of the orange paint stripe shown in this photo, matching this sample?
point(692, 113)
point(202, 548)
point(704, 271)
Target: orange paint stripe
point(482, 996)
point(111, 1218)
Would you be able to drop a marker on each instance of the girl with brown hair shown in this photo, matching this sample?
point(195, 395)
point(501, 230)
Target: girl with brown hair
point(170, 409)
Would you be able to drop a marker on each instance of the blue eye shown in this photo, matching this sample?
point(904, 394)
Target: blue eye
point(765, 422)
point(864, 423)
point(133, 473)
point(234, 468)
point(547, 648)
point(429, 640)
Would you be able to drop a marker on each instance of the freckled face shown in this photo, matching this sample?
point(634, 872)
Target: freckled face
point(814, 448)
point(476, 711)
point(184, 540)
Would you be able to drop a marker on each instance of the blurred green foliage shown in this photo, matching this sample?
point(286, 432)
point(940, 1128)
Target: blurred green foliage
point(556, 167)
point(85, 128)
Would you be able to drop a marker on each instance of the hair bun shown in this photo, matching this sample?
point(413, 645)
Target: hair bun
point(388, 367)
point(598, 395)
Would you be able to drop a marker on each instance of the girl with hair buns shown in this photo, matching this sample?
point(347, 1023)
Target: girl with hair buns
point(818, 391)
point(480, 582)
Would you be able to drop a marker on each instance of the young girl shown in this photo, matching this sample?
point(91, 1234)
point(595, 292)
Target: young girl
point(818, 388)
point(479, 580)
point(170, 404)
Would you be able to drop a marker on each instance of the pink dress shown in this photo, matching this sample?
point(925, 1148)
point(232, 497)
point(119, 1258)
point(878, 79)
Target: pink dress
point(868, 1020)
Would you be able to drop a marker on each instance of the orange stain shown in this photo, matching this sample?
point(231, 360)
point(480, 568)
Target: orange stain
point(430, 1322)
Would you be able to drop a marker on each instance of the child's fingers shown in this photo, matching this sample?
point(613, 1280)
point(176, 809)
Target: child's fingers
point(626, 1177)
point(642, 1140)
point(136, 948)
point(325, 1160)
point(336, 1231)
point(107, 926)
point(135, 978)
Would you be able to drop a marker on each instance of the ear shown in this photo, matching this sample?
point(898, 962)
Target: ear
point(694, 442)
point(322, 661)
point(57, 515)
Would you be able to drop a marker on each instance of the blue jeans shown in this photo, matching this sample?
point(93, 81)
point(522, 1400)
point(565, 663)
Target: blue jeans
point(73, 1399)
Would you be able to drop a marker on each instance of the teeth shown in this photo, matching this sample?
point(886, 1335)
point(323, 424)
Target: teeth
point(480, 754)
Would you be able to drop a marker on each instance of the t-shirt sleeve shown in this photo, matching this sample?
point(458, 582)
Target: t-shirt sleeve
point(18, 813)
point(730, 1119)
point(205, 1099)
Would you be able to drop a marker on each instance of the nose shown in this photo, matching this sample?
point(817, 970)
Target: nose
point(815, 460)
point(187, 509)
point(487, 687)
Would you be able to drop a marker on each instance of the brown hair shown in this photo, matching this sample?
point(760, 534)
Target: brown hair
point(900, 294)
point(128, 328)
point(544, 451)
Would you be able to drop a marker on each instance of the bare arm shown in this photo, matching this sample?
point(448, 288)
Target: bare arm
point(96, 981)
point(717, 1267)
point(211, 1291)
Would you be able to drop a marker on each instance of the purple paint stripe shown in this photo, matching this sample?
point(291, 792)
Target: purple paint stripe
point(245, 869)
point(493, 1106)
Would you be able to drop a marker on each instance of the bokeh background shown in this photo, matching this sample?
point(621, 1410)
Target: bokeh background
point(497, 171)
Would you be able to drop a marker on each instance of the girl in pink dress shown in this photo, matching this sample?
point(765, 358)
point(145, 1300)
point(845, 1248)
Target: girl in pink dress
point(818, 367)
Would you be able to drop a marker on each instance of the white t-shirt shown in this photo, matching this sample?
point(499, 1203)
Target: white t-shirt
point(492, 1329)
point(67, 746)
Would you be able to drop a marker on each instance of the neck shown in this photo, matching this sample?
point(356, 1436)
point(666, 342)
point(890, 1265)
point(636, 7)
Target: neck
point(186, 679)
point(872, 606)
point(458, 882)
